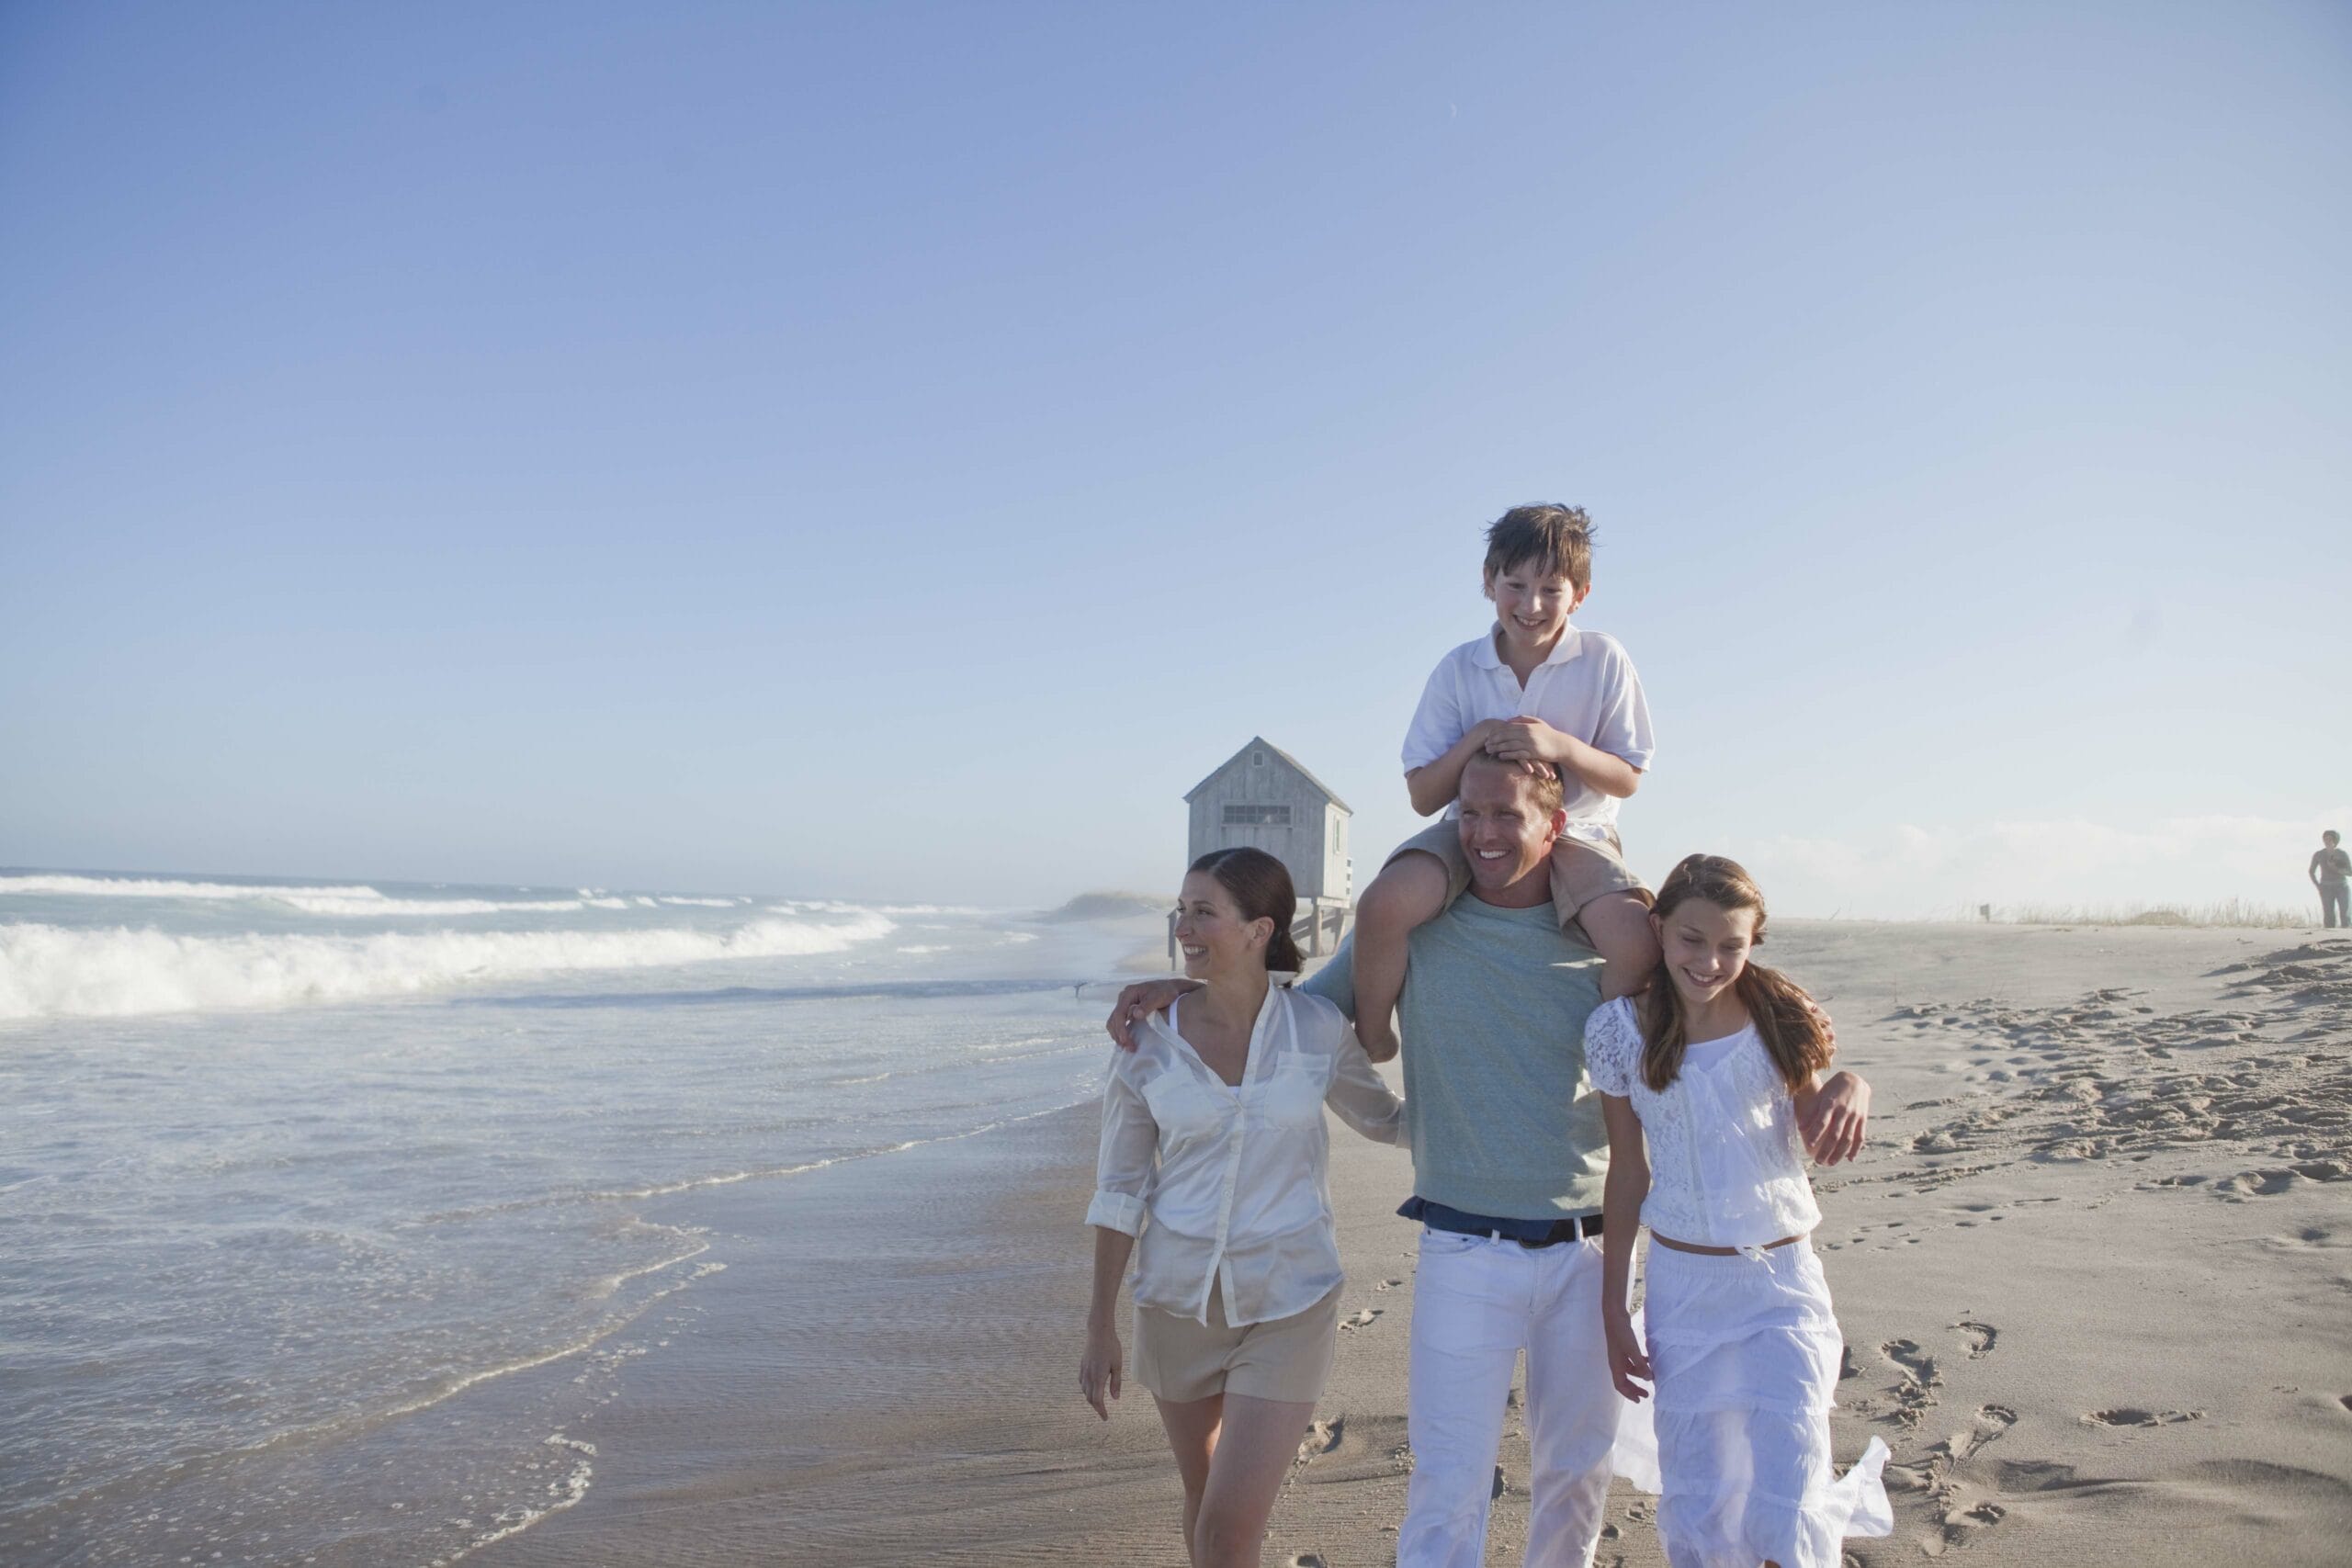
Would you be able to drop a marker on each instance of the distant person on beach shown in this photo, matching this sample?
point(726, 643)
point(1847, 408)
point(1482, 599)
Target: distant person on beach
point(2332, 874)
point(1213, 1154)
point(1704, 1078)
point(1531, 689)
point(1509, 1157)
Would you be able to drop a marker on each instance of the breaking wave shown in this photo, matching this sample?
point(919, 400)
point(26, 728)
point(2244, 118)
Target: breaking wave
point(51, 971)
point(354, 900)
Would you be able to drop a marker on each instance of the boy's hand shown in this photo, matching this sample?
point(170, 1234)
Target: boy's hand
point(1137, 1002)
point(1527, 740)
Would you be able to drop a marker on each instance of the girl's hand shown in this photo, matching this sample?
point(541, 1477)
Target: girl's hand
point(1098, 1371)
point(1626, 1361)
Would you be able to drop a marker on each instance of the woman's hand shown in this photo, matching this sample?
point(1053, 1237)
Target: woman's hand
point(1098, 1371)
point(1626, 1360)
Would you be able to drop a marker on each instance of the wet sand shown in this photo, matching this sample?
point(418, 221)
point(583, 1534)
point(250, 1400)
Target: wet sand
point(2093, 1271)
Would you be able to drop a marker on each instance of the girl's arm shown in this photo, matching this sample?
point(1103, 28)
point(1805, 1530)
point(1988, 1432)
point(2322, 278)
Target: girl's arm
point(1362, 1097)
point(1098, 1369)
point(1433, 785)
point(1621, 1223)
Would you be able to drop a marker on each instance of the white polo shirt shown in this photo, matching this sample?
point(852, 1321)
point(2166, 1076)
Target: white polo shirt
point(1587, 688)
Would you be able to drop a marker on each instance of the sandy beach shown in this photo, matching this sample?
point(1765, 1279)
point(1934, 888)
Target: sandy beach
point(2092, 1270)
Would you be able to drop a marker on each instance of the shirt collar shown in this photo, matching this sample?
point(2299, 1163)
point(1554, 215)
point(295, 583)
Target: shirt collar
point(1567, 648)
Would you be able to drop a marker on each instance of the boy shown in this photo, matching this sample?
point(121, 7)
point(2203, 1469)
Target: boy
point(1534, 690)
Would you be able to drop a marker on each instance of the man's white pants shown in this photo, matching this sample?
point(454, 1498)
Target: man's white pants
point(1478, 1303)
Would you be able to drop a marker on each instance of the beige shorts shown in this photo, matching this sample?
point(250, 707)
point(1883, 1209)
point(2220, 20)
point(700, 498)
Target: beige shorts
point(1288, 1359)
point(1581, 869)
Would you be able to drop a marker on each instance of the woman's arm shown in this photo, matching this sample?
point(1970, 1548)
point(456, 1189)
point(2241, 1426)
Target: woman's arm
point(1362, 1097)
point(1620, 1223)
point(1098, 1369)
point(1123, 1169)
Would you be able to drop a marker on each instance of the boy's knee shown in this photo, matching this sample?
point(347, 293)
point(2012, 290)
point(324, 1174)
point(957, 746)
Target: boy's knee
point(1410, 891)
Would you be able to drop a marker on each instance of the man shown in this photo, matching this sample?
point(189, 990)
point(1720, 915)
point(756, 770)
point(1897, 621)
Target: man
point(2331, 873)
point(1510, 1154)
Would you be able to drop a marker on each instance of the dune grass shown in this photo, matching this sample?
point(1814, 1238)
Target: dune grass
point(2225, 912)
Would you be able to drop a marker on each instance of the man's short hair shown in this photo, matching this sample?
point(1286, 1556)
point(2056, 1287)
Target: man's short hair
point(1541, 779)
point(1553, 540)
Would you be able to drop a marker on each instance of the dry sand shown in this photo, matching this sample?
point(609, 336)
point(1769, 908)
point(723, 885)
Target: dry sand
point(2093, 1271)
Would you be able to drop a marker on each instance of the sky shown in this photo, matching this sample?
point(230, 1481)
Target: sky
point(895, 451)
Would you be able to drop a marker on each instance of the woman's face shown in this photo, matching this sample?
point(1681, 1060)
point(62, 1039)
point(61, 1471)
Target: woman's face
point(1706, 946)
point(1211, 933)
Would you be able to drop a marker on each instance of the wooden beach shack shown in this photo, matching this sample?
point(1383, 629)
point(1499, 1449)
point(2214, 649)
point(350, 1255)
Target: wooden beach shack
point(1264, 797)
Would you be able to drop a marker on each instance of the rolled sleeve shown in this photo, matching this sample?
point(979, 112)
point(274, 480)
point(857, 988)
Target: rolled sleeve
point(1124, 1165)
point(1116, 1211)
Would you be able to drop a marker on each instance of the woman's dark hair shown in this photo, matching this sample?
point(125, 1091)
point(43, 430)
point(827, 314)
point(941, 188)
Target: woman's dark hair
point(1261, 886)
point(1795, 1036)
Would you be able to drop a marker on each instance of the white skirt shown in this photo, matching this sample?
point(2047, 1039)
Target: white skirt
point(1745, 1352)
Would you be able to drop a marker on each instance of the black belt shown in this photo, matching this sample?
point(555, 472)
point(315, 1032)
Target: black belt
point(1527, 1233)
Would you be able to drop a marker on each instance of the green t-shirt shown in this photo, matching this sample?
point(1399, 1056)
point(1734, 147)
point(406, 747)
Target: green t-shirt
point(1504, 1120)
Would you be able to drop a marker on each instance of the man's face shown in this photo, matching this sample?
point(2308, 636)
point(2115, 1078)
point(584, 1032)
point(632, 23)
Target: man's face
point(1505, 835)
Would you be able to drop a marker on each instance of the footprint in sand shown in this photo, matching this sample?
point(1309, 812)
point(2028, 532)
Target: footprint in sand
point(1361, 1320)
point(1990, 1422)
point(1977, 1337)
point(2131, 1416)
point(1915, 1395)
point(1307, 1559)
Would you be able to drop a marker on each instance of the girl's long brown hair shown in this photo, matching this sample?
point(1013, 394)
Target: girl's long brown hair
point(1795, 1035)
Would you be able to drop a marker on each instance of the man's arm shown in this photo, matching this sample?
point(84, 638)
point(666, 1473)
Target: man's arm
point(1832, 1117)
point(2317, 856)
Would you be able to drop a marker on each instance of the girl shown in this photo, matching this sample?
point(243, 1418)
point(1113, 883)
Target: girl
point(1213, 1152)
point(1704, 1078)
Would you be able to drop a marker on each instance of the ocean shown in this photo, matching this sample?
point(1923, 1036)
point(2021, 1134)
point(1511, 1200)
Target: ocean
point(297, 1178)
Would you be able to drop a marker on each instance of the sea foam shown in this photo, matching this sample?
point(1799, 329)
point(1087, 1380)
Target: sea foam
point(51, 971)
point(354, 900)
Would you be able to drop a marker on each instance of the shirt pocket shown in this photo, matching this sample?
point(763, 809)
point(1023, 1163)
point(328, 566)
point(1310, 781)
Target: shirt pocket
point(1293, 1095)
point(1186, 1112)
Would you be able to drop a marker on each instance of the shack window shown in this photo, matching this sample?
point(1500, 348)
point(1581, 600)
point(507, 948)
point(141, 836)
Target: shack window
point(1257, 816)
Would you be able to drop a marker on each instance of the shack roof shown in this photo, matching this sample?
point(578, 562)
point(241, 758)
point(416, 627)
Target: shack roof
point(1260, 741)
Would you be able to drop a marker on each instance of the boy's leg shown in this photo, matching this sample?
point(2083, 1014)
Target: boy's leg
point(1592, 887)
point(1419, 881)
point(1472, 1296)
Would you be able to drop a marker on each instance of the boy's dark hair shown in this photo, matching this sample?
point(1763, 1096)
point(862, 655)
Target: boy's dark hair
point(1555, 540)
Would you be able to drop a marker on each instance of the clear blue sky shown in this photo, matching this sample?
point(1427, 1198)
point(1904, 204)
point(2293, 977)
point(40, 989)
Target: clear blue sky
point(895, 451)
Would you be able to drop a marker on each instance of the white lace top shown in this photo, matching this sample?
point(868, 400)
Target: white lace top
point(1226, 1185)
point(1727, 1165)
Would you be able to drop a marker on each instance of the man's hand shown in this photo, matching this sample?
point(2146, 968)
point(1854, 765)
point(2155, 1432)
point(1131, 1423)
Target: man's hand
point(1137, 1002)
point(1832, 1121)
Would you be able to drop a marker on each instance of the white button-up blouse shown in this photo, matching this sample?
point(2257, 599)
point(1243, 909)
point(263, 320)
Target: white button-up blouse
point(1226, 1186)
point(1726, 1163)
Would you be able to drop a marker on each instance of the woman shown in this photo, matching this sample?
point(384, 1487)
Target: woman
point(1214, 1153)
